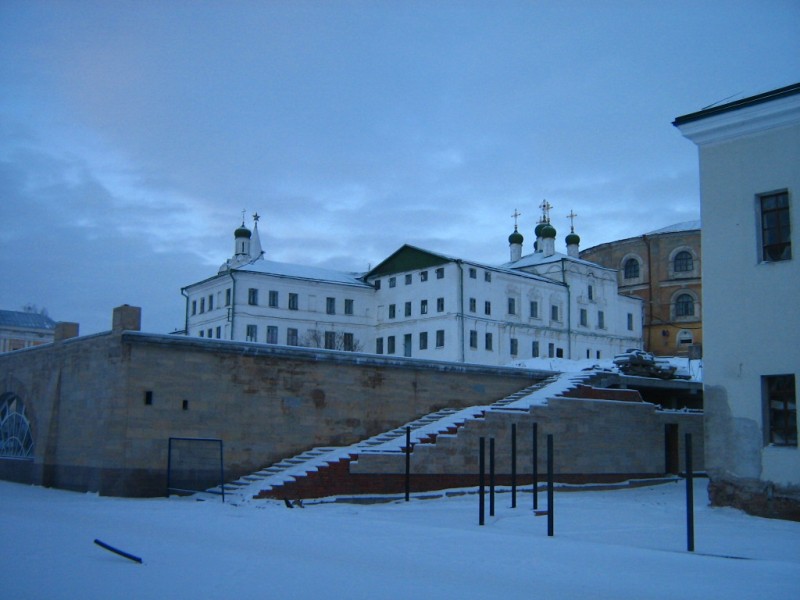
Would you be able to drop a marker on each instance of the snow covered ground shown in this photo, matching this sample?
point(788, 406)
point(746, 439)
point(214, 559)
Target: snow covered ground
point(621, 543)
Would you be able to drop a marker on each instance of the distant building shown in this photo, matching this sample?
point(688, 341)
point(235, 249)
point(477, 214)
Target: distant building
point(749, 154)
point(422, 304)
point(663, 268)
point(20, 330)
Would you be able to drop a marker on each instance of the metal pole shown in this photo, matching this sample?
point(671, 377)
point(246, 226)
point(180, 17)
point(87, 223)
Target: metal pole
point(221, 472)
point(513, 465)
point(481, 492)
point(550, 507)
point(491, 477)
point(408, 463)
point(169, 466)
point(689, 495)
point(535, 466)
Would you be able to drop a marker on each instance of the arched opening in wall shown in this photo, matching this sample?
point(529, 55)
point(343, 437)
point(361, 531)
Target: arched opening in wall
point(685, 338)
point(16, 440)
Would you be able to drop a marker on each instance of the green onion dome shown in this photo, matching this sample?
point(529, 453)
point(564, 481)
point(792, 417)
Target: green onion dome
point(573, 238)
point(516, 237)
point(548, 231)
point(242, 232)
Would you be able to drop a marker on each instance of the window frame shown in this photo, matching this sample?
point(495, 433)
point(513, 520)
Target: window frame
point(781, 389)
point(766, 245)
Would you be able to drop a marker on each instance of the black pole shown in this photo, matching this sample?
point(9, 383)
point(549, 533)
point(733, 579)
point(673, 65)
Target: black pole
point(481, 492)
point(221, 472)
point(535, 466)
point(513, 465)
point(408, 463)
point(689, 495)
point(169, 466)
point(491, 477)
point(550, 507)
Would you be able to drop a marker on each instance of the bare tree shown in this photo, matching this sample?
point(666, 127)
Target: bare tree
point(331, 340)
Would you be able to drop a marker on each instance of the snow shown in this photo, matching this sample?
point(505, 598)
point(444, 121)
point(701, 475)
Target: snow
point(617, 543)
point(692, 368)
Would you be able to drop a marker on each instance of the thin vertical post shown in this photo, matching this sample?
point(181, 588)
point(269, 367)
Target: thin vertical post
point(513, 465)
point(689, 495)
point(491, 477)
point(169, 466)
point(550, 507)
point(221, 472)
point(481, 491)
point(408, 463)
point(535, 466)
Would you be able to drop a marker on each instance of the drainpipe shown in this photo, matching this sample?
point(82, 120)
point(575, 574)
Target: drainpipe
point(648, 320)
point(233, 302)
point(185, 312)
point(569, 310)
point(461, 309)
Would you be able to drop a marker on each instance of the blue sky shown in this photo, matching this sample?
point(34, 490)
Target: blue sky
point(133, 134)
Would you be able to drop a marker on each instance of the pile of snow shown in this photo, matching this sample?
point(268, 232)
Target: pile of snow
point(623, 543)
point(693, 369)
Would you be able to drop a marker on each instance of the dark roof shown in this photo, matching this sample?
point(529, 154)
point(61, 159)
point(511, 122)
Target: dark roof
point(409, 258)
point(28, 320)
point(789, 90)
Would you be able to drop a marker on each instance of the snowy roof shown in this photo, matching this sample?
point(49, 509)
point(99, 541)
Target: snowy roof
point(538, 258)
point(26, 320)
point(280, 269)
point(677, 227)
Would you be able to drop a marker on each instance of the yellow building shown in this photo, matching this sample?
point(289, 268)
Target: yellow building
point(663, 268)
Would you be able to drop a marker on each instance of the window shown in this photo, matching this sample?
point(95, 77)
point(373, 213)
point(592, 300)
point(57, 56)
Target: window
point(330, 306)
point(272, 334)
point(554, 312)
point(392, 282)
point(194, 307)
point(512, 306)
point(780, 401)
point(349, 342)
point(423, 276)
point(559, 353)
point(488, 341)
point(584, 318)
point(211, 302)
point(601, 319)
point(514, 346)
point(776, 240)
point(392, 311)
point(408, 309)
point(423, 340)
point(219, 332)
point(390, 344)
point(440, 338)
point(551, 350)
point(535, 349)
point(377, 284)
point(473, 305)
point(348, 306)
point(683, 262)
point(487, 276)
point(407, 345)
point(473, 273)
point(379, 346)
point(440, 273)
point(293, 303)
point(590, 292)
point(423, 307)
point(487, 308)
point(291, 337)
point(252, 333)
point(330, 340)
point(228, 297)
point(148, 398)
point(630, 321)
point(684, 306)
point(252, 297)
point(473, 339)
point(202, 305)
point(534, 309)
point(209, 333)
point(202, 333)
point(408, 278)
point(440, 305)
point(631, 269)
point(273, 299)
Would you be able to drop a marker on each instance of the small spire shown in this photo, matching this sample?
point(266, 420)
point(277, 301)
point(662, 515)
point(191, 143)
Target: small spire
point(571, 216)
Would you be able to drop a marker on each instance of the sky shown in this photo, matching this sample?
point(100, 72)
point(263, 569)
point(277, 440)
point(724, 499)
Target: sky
point(620, 543)
point(134, 133)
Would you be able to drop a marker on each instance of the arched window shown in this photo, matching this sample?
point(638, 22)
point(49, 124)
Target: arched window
point(684, 306)
point(683, 262)
point(631, 269)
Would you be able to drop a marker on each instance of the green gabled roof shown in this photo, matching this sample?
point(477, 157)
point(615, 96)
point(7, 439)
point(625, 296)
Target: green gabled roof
point(408, 258)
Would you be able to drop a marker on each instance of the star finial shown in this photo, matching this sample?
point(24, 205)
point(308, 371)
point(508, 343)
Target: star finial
point(256, 217)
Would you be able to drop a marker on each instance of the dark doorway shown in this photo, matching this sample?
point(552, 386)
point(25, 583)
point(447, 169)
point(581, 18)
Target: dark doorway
point(672, 460)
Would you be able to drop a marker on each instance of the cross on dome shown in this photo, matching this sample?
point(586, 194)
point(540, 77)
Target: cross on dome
point(571, 216)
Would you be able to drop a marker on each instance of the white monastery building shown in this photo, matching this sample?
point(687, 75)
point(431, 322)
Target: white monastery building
point(749, 154)
point(422, 304)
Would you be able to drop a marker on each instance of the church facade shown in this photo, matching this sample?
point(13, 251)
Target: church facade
point(422, 304)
